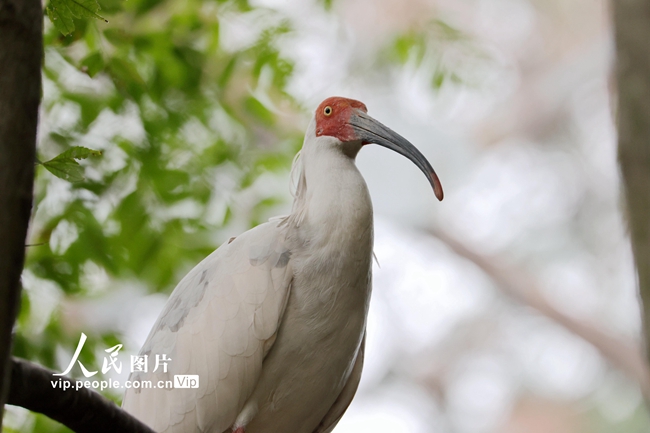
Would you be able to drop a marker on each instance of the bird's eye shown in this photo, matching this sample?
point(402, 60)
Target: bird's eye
point(327, 111)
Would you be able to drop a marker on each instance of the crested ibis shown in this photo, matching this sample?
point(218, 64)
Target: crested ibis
point(273, 322)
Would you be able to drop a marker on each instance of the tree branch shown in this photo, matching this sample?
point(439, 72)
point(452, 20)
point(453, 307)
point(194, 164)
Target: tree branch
point(632, 29)
point(82, 410)
point(21, 51)
point(625, 356)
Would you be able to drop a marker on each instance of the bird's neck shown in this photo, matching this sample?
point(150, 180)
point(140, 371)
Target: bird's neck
point(332, 197)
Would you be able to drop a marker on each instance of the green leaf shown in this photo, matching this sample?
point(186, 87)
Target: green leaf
point(117, 37)
point(65, 166)
point(125, 71)
point(84, 9)
point(69, 170)
point(92, 64)
point(77, 152)
point(62, 12)
point(411, 44)
point(60, 16)
point(111, 6)
point(255, 107)
point(448, 31)
point(438, 79)
point(224, 78)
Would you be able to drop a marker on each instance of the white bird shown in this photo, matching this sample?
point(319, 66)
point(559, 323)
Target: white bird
point(273, 322)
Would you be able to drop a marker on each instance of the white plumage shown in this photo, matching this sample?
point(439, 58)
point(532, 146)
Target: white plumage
point(273, 323)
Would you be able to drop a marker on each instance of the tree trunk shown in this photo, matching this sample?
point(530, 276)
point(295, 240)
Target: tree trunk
point(21, 51)
point(632, 29)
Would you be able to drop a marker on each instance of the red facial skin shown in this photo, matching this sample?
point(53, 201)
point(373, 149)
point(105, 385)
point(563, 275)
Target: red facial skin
point(336, 123)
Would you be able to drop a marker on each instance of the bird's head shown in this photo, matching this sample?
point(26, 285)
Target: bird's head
point(347, 121)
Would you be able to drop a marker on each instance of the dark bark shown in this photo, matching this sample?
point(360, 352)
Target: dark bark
point(82, 410)
point(632, 28)
point(21, 51)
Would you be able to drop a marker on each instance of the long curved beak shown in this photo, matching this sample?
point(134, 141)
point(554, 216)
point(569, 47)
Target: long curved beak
point(369, 130)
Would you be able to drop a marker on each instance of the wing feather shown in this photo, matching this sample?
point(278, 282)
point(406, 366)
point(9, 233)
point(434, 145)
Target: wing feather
point(219, 324)
point(344, 399)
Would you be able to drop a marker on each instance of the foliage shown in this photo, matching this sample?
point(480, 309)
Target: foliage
point(168, 107)
point(448, 54)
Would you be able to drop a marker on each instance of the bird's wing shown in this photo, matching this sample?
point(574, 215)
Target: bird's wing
point(333, 416)
point(219, 324)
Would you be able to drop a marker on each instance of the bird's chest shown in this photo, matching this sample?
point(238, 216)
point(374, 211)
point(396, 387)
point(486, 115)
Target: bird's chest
point(325, 317)
point(332, 283)
point(319, 338)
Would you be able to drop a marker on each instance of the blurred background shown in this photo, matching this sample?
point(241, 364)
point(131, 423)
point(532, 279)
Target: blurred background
point(508, 307)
